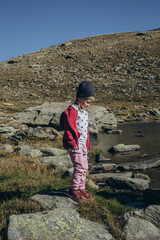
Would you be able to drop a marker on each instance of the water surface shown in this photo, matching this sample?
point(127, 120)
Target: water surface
point(146, 135)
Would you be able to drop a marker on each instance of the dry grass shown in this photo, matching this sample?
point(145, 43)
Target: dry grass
point(20, 178)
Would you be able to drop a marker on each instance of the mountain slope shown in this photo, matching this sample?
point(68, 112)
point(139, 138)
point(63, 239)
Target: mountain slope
point(124, 69)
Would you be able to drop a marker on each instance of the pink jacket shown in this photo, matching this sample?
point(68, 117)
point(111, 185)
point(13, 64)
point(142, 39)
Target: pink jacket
point(68, 124)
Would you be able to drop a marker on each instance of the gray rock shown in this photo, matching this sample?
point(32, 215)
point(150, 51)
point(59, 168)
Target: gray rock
point(152, 163)
point(125, 183)
point(6, 148)
point(117, 68)
point(91, 183)
point(7, 131)
point(120, 120)
point(51, 199)
point(49, 151)
point(114, 131)
point(27, 150)
point(107, 127)
point(105, 167)
point(57, 162)
point(140, 229)
point(152, 213)
point(101, 159)
point(65, 44)
point(124, 148)
point(141, 176)
point(39, 132)
point(61, 223)
point(102, 177)
point(48, 114)
point(35, 153)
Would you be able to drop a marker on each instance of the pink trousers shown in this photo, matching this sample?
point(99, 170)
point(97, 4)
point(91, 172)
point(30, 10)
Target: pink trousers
point(80, 164)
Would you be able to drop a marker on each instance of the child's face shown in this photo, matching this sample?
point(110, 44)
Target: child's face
point(85, 102)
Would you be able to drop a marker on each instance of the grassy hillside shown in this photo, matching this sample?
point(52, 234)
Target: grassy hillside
point(124, 69)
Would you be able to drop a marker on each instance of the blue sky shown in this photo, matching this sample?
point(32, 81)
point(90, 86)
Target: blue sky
point(29, 25)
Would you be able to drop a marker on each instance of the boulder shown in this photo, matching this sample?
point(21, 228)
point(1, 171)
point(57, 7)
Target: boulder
point(58, 224)
point(48, 114)
point(124, 148)
point(60, 221)
point(102, 177)
point(51, 199)
point(137, 228)
point(57, 162)
point(125, 183)
point(6, 148)
point(101, 159)
point(107, 127)
point(7, 131)
point(152, 163)
point(141, 176)
point(35, 153)
point(41, 132)
point(102, 167)
point(91, 183)
point(27, 150)
point(114, 131)
point(50, 151)
point(100, 117)
point(150, 213)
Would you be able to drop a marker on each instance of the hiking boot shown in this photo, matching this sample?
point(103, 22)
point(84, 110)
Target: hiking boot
point(86, 194)
point(76, 195)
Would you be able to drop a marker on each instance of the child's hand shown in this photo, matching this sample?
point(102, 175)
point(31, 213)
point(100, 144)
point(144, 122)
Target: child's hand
point(75, 148)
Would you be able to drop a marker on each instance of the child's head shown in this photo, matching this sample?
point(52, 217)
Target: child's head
point(85, 102)
point(85, 94)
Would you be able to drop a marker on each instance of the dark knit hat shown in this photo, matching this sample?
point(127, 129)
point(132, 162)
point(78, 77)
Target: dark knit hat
point(85, 89)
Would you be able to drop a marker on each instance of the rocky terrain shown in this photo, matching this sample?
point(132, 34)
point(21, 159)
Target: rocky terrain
point(124, 69)
point(61, 221)
point(35, 88)
point(60, 217)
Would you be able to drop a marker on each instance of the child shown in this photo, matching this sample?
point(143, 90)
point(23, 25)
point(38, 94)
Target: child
point(74, 122)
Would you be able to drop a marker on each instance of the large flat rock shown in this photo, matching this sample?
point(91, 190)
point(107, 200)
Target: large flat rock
point(43, 115)
point(48, 114)
point(61, 223)
point(124, 148)
point(127, 183)
point(102, 177)
point(143, 224)
point(140, 229)
point(58, 162)
point(152, 163)
point(51, 199)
